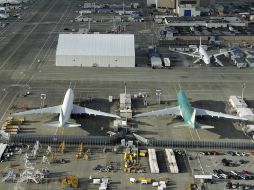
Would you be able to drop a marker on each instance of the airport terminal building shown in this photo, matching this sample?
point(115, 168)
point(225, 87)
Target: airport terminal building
point(96, 50)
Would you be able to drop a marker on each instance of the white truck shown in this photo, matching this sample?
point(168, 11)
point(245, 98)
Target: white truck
point(167, 62)
point(80, 18)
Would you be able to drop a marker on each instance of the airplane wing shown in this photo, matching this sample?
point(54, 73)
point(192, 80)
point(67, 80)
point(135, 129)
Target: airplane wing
point(222, 53)
point(197, 60)
point(216, 57)
point(54, 109)
point(167, 111)
point(218, 61)
point(201, 112)
point(218, 54)
point(83, 110)
point(189, 54)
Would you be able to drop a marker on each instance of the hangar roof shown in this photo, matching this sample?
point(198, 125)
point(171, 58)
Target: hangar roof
point(96, 44)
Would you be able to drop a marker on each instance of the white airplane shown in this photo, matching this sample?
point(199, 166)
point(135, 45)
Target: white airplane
point(201, 54)
point(189, 113)
point(11, 2)
point(65, 110)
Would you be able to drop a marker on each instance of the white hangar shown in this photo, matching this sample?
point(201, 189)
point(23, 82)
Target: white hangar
point(96, 50)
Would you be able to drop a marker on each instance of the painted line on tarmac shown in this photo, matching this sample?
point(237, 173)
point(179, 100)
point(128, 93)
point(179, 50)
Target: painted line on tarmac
point(14, 97)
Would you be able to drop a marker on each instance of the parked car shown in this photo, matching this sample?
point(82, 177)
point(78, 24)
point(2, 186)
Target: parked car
point(235, 186)
point(246, 187)
point(232, 153)
point(227, 162)
point(229, 185)
point(243, 161)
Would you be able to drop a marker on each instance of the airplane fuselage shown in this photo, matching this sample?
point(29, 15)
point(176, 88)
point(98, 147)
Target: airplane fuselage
point(203, 55)
point(67, 107)
point(185, 108)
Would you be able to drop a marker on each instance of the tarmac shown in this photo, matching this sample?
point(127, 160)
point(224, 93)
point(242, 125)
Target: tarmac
point(27, 63)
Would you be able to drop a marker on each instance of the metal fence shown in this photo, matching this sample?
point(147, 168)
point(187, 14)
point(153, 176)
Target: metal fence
point(113, 140)
point(68, 139)
point(202, 144)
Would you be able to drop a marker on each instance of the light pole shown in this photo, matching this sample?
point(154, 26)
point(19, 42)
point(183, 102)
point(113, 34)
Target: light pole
point(43, 98)
point(158, 94)
point(144, 94)
point(243, 88)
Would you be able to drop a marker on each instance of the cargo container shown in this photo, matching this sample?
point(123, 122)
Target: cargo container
point(153, 161)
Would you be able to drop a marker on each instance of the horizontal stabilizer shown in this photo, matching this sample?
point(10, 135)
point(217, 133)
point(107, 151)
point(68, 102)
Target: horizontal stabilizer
point(205, 126)
point(72, 125)
point(218, 62)
point(197, 60)
point(53, 124)
point(184, 53)
point(57, 124)
point(168, 111)
point(178, 125)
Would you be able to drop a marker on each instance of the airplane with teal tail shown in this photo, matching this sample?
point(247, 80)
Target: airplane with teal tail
point(189, 113)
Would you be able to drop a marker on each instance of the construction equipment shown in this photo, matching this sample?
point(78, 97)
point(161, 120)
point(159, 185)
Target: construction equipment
point(10, 176)
point(49, 150)
point(14, 165)
point(192, 186)
point(11, 129)
point(220, 13)
point(12, 126)
point(69, 182)
point(52, 156)
point(62, 147)
point(131, 162)
point(85, 157)
point(34, 152)
point(144, 180)
point(142, 153)
point(81, 153)
point(14, 121)
point(30, 174)
point(44, 160)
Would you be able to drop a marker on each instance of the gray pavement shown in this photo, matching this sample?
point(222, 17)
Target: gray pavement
point(23, 43)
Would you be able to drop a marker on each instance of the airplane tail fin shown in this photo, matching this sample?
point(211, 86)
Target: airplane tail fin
point(193, 117)
point(61, 118)
point(198, 125)
point(53, 124)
